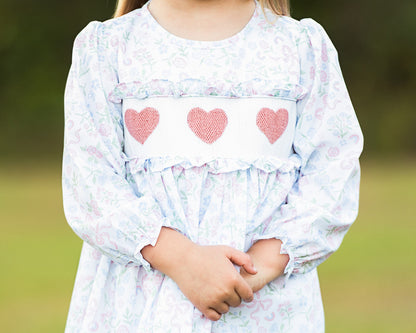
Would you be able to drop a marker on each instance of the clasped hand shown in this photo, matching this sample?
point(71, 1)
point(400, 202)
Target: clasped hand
point(206, 274)
point(208, 278)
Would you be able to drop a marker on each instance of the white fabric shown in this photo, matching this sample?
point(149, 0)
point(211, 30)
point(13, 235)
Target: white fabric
point(242, 138)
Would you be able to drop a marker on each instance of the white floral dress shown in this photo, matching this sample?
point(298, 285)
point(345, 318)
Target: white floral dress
point(228, 142)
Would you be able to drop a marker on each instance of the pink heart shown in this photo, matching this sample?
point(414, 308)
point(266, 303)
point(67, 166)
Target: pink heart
point(141, 124)
point(271, 123)
point(208, 126)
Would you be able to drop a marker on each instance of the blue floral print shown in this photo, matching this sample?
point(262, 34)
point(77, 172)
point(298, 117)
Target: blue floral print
point(117, 200)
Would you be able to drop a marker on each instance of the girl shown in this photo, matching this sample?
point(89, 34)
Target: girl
point(210, 165)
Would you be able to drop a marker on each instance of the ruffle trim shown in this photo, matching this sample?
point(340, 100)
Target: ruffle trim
point(213, 165)
point(196, 87)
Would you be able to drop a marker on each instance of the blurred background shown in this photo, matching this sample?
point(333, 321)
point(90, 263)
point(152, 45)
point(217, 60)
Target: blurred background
point(367, 286)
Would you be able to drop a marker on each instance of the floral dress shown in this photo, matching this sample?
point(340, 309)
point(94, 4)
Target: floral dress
point(228, 142)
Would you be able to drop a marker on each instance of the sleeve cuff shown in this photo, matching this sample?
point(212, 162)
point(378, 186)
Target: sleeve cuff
point(151, 240)
point(291, 264)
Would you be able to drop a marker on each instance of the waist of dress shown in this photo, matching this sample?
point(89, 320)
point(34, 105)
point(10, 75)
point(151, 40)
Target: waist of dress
point(211, 127)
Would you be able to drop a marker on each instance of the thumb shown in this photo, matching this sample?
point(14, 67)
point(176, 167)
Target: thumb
point(242, 259)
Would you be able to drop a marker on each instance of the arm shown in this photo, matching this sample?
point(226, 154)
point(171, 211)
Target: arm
point(269, 267)
point(105, 211)
point(323, 202)
point(100, 204)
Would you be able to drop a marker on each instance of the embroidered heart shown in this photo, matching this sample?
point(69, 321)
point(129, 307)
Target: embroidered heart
point(208, 126)
point(141, 124)
point(271, 123)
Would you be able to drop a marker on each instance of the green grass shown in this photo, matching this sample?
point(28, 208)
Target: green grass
point(367, 285)
point(38, 251)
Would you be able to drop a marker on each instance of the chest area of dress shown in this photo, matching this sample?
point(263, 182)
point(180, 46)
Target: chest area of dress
point(212, 127)
point(265, 59)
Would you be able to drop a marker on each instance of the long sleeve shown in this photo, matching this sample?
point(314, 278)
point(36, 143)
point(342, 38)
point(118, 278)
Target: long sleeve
point(100, 204)
point(323, 203)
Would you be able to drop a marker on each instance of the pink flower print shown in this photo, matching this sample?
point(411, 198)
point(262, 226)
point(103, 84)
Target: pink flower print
point(250, 89)
point(122, 87)
point(261, 24)
point(94, 152)
point(312, 73)
point(102, 236)
point(143, 53)
point(285, 310)
point(96, 254)
point(324, 76)
point(260, 305)
point(76, 136)
point(333, 151)
point(70, 124)
point(210, 91)
point(188, 184)
point(319, 113)
point(106, 316)
point(326, 100)
point(355, 138)
point(68, 170)
point(333, 233)
point(80, 41)
point(91, 38)
point(179, 62)
point(208, 182)
point(288, 54)
point(104, 130)
point(114, 41)
point(324, 53)
point(337, 210)
point(94, 208)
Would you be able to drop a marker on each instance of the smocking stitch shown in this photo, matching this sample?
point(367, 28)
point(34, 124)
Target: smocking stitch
point(272, 124)
point(141, 124)
point(208, 126)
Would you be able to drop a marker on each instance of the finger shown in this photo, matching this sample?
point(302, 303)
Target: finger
point(221, 308)
point(234, 300)
point(211, 314)
point(242, 259)
point(243, 290)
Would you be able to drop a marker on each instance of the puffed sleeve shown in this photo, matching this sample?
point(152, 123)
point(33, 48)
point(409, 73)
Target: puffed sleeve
point(323, 203)
point(100, 204)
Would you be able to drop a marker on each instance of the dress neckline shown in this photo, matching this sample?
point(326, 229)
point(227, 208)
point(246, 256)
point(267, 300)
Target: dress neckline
point(226, 42)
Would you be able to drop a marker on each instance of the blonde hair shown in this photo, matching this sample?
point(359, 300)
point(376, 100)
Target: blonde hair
point(279, 7)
